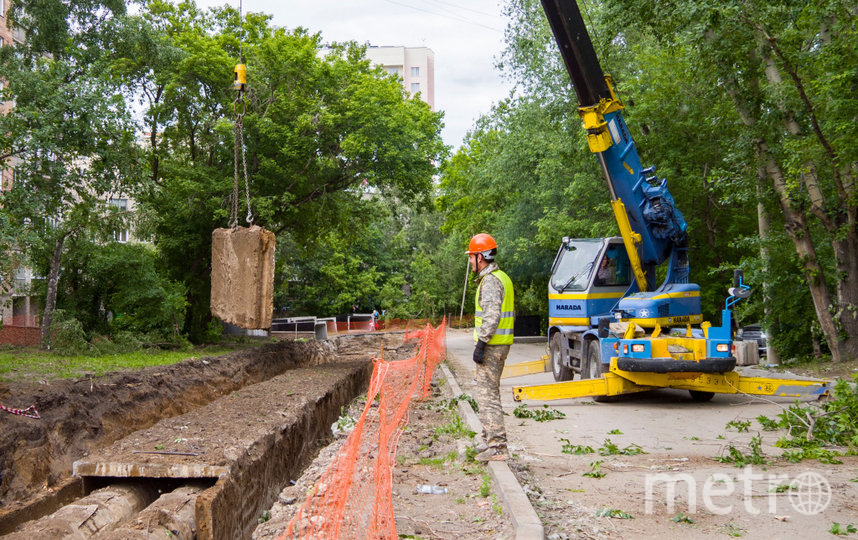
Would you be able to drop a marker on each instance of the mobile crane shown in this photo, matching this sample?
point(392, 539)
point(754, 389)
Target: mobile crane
point(609, 321)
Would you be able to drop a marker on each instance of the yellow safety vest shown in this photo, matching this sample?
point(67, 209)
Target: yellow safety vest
point(503, 334)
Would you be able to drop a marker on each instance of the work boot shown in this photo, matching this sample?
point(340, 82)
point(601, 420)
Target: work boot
point(492, 454)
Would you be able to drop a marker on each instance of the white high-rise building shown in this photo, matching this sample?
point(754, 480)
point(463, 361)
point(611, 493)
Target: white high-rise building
point(18, 311)
point(8, 37)
point(415, 65)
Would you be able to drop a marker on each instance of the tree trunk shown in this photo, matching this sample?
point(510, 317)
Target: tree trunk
point(846, 259)
point(799, 233)
point(845, 246)
point(711, 222)
point(51, 296)
point(763, 226)
point(817, 348)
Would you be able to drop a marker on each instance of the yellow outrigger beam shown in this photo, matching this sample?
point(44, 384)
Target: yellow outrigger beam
point(617, 382)
point(527, 368)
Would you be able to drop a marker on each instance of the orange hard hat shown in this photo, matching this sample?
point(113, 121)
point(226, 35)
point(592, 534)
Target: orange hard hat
point(480, 243)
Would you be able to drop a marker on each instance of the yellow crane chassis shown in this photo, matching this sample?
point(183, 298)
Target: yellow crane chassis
point(617, 382)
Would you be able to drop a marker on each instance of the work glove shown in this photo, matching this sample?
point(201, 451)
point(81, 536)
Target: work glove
point(479, 351)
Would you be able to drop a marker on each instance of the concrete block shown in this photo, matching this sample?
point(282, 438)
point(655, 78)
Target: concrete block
point(243, 276)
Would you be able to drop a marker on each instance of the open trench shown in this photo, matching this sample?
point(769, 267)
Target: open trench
point(211, 471)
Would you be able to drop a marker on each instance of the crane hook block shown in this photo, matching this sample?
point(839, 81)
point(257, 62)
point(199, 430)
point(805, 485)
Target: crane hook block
point(240, 81)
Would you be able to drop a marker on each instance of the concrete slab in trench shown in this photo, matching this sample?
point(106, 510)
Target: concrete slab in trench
point(253, 441)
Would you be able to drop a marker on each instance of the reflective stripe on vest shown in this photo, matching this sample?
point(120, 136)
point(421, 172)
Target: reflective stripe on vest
point(503, 334)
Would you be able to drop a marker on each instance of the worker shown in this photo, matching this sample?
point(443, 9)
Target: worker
point(492, 336)
point(607, 274)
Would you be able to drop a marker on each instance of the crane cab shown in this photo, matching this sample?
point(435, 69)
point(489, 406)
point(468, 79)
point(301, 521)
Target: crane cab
point(591, 278)
point(588, 278)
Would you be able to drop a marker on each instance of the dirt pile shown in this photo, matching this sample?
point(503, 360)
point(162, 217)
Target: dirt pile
point(36, 456)
point(434, 454)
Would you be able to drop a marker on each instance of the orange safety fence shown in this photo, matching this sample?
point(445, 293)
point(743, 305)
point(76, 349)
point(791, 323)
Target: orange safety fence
point(353, 326)
point(407, 324)
point(353, 498)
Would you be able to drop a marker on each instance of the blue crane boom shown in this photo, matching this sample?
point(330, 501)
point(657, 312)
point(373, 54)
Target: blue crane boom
point(596, 282)
point(649, 205)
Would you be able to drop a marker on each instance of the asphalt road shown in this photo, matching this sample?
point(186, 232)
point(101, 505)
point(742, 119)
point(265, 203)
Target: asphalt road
point(680, 437)
point(653, 417)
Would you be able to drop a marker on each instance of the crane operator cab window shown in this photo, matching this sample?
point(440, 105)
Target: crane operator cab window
point(614, 268)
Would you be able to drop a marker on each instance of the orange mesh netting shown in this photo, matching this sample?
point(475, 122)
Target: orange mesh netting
point(353, 498)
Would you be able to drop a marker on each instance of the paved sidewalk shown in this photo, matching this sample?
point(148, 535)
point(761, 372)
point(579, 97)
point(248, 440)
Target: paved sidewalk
point(460, 346)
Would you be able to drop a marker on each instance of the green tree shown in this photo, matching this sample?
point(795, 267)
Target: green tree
point(113, 288)
point(321, 133)
point(788, 70)
point(69, 130)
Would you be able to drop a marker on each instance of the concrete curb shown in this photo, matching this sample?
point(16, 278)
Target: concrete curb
point(526, 522)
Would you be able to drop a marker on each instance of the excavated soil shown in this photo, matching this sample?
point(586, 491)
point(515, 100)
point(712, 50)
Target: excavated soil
point(434, 450)
point(85, 417)
point(80, 416)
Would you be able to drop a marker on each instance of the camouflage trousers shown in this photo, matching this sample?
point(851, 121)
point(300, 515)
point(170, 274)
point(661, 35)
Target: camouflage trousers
point(488, 395)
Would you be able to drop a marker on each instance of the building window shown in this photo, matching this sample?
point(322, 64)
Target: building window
point(415, 72)
point(415, 87)
point(393, 70)
point(121, 205)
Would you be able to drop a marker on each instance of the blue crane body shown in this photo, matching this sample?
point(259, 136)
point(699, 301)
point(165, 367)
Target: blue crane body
point(608, 319)
point(598, 281)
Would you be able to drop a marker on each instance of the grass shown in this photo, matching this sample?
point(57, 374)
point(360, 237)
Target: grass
point(486, 486)
point(440, 461)
point(456, 428)
point(33, 365)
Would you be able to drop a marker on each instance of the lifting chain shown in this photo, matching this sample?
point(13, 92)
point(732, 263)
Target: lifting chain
point(239, 107)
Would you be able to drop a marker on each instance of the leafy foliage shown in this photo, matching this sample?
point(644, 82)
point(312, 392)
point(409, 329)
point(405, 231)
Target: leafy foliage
point(114, 288)
point(576, 449)
point(613, 513)
point(342, 162)
point(841, 530)
point(813, 428)
point(323, 133)
point(611, 449)
point(70, 132)
point(540, 415)
point(738, 425)
point(740, 459)
point(451, 404)
point(67, 335)
point(595, 471)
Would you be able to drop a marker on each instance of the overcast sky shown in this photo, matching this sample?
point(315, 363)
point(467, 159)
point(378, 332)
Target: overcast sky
point(466, 36)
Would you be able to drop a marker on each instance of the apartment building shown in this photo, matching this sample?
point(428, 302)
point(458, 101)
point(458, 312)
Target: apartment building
point(8, 37)
point(415, 65)
point(18, 311)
